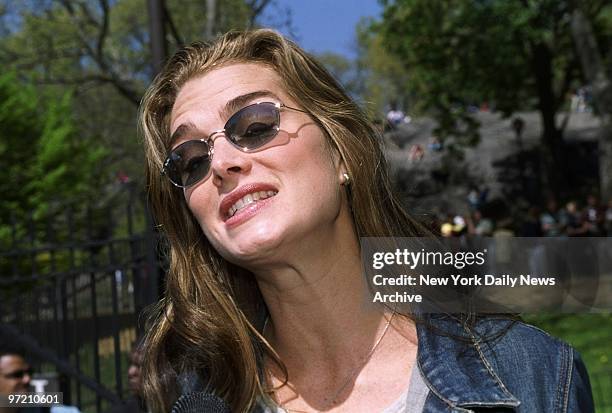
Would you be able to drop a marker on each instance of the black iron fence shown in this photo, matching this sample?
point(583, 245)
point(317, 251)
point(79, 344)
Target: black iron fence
point(72, 286)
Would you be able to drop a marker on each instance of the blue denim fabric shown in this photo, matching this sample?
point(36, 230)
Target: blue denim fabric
point(500, 365)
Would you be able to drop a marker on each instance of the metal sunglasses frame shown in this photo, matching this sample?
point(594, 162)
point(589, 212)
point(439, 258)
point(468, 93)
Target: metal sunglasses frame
point(210, 141)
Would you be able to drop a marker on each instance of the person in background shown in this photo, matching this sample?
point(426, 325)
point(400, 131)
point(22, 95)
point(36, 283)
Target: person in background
point(574, 222)
point(434, 144)
point(396, 117)
point(135, 403)
point(531, 225)
point(416, 153)
point(15, 376)
point(550, 220)
point(594, 216)
point(608, 219)
point(446, 226)
point(480, 225)
point(476, 197)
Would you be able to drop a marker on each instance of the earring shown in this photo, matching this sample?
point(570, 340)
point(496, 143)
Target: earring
point(346, 179)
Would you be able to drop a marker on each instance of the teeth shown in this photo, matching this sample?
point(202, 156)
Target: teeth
point(249, 199)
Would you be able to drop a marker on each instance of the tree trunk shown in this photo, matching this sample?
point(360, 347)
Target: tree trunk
point(595, 73)
point(211, 12)
point(553, 153)
point(157, 31)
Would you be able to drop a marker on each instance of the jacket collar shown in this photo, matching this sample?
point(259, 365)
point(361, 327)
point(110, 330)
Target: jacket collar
point(454, 368)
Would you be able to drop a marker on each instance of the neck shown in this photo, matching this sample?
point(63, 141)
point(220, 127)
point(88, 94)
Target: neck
point(318, 305)
point(320, 316)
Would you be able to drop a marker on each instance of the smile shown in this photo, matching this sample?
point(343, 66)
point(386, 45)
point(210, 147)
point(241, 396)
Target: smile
point(249, 199)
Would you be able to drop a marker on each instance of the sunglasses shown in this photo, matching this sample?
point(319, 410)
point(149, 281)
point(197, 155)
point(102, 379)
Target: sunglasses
point(19, 374)
point(247, 130)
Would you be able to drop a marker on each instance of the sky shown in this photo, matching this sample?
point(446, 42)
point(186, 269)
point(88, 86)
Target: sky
point(327, 25)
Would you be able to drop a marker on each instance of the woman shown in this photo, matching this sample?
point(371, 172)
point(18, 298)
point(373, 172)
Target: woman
point(271, 175)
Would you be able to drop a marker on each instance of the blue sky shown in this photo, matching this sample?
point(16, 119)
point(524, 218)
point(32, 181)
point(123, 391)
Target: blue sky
point(328, 25)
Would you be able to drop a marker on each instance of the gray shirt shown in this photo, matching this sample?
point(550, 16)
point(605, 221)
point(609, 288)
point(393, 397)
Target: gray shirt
point(410, 401)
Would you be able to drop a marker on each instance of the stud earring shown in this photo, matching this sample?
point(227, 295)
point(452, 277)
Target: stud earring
point(346, 179)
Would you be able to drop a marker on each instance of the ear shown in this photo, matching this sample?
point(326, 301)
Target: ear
point(340, 167)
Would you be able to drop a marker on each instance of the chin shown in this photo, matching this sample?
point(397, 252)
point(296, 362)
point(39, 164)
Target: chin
point(254, 245)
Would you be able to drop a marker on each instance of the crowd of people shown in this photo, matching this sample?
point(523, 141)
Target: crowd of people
point(590, 218)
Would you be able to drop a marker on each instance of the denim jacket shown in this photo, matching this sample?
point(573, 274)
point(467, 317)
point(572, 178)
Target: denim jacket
point(501, 366)
point(498, 366)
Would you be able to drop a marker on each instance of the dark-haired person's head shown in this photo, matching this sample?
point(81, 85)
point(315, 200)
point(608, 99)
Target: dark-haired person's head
point(134, 371)
point(15, 372)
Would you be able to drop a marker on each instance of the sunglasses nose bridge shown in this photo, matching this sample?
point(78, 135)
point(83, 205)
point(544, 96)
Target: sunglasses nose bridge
point(211, 141)
point(213, 137)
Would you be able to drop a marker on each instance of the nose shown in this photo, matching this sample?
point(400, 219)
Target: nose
point(228, 162)
point(133, 371)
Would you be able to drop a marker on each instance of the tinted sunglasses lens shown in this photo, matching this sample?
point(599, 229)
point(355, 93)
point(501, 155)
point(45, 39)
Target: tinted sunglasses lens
point(188, 163)
point(19, 374)
point(253, 126)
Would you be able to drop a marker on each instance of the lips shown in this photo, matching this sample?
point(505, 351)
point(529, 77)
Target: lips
point(243, 197)
point(248, 199)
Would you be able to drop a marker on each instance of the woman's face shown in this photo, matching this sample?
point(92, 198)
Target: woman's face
point(295, 177)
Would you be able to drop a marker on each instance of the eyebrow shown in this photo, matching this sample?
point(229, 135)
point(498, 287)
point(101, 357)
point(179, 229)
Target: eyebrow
point(231, 107)
point(239, 102)
point(181, 131)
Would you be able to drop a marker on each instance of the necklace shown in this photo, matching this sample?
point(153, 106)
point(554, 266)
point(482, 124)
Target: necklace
point(354, 371)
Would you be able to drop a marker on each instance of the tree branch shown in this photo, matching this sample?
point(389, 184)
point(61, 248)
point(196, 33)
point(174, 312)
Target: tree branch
point(257, 7)
point(73, 80)
point(108, 74)
point(118, 84)
point(568, 76)
point(104, 27)
point(592, 62)
point(175, 34)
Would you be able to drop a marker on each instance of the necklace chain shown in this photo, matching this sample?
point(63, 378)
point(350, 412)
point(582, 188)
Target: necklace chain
point(353, 372)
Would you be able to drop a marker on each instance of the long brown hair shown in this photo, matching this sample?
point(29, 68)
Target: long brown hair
point(206, 321)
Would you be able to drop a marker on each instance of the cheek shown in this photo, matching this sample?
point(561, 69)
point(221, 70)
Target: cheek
point(201, 205)
point(317, 176)
point(317, 193)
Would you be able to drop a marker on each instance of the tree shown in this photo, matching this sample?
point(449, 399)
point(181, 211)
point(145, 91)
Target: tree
point(80, 42)
point(343, 69)
point(43, 160)
point(375, 77)
point(381, 73)
point(99, 51)
point(594, 69)
point(515, 54)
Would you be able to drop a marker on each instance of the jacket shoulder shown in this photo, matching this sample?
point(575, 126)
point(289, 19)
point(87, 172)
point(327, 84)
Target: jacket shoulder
point(541, 370)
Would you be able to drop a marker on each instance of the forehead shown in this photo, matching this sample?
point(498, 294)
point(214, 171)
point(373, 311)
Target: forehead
point(136, 356)
point(10, 362)
point(204, 97)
